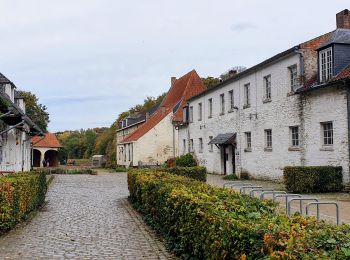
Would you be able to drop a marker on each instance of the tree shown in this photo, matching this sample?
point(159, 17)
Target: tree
point(210, 82)
point(36, 111)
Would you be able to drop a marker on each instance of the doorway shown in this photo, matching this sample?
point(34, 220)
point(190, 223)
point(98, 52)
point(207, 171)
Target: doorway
point(229, 159)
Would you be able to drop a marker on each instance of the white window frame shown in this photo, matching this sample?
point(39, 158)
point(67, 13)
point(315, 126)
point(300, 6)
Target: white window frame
point(200, 111)
point(200, 145)
point(210, 107)
point(268, 138)
point(211, 146)
point(326, 64)
point(293, 75)
point(191, 114)
point(222, 103)
point(267, 87)
point(248, 140)
point(327, 133)
point(247, 95)
point(294, 136)
point(232, 99)
point(191, 145)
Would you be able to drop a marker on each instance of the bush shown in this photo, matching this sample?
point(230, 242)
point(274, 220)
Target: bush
point(186, 160)
point(171, 162)
point(308, 179)
point(197, 173)
point(203, 222)
point(120, 169)
point(230, 177)
point(19, 195)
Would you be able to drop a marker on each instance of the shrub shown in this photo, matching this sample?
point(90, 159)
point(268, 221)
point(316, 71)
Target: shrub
point(186, 160)
point(230, 177)
point(171, 162)
point(197, 173)
point(203, 222)
point(120, 169)
point(19, 195)
point(310, 179)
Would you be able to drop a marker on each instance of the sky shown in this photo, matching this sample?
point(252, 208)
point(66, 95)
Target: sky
point(89, 60)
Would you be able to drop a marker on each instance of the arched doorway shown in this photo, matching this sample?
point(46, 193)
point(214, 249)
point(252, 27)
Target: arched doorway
point(51, 156)
point(36, 158)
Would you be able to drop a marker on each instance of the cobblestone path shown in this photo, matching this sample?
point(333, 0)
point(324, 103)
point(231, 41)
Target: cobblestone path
point(86, 217)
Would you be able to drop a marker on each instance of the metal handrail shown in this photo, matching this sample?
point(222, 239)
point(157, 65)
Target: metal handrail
point(301, 204)
point(323, 203)
point(273, 192)
point(286, 198)
point(261, 190)
point(248, 187)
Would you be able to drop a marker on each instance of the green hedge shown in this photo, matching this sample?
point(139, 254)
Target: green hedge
point(19, 195)
point(308, 179)
point(197, 173)
point(203, 222)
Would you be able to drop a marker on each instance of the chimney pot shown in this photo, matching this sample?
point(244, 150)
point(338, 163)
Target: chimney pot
point(173, 79)
point(343, 19)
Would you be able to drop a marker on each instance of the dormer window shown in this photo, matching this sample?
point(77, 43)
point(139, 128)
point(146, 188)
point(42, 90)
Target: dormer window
point(326, 64)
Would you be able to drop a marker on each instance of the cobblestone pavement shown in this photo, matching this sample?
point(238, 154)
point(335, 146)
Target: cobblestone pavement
point(86, 217)
point(327, 211)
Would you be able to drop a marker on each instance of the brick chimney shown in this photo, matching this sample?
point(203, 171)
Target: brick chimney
point(147, 116)
point(173, 79)
point(343, 19)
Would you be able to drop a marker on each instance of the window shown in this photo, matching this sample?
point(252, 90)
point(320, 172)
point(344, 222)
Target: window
point(191, 114)
point(200, 112)
point(248, 140)
point(268, 138)
point(232, 101)
point(327, 128)
point(267, 87)
point(211, 146)
point(184, 146)
point(326, 64)
point(200, 145)
point(247, 95)
point(293, 72)
point(191, 145)
point(222, 104)
point(129, 153)
point(210, 107)
point(294, 131)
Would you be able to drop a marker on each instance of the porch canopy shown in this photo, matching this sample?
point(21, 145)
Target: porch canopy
point(222, 139)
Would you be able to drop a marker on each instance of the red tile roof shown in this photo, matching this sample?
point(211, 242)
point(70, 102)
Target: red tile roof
point(48, 141)
point(183, 88)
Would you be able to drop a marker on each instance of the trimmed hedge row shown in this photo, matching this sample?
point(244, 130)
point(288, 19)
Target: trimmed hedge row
point(197, 173)
point(19, 195)
point(203, 222)
point(310, 179)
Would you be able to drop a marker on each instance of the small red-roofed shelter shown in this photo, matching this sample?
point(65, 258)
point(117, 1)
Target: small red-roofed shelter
point(45, 150)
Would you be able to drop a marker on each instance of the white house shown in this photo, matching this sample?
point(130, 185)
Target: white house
point(291, 109)
point(156, 139)
point(16, 130)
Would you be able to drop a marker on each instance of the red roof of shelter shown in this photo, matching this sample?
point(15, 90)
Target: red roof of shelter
point(47, 141)
point(183, 88)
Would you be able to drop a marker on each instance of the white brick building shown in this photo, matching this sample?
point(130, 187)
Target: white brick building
point(156, 140)
point(16, 130)
point(291, 109)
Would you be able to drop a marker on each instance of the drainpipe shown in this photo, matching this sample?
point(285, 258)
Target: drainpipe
point(347, 85)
